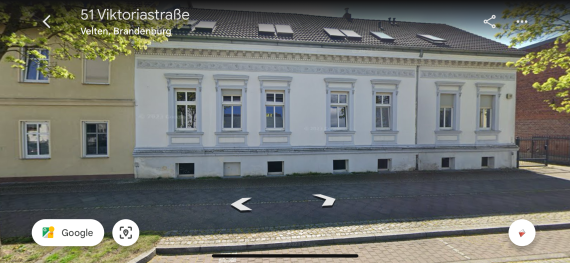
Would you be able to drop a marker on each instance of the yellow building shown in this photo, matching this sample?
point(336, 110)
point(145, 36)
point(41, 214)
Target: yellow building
point(61, 129)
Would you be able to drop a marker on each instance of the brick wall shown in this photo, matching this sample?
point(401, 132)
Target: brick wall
point(533, 115)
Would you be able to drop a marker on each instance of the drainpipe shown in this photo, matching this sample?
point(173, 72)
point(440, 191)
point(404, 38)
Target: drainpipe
point(416, 111)
point(417, 93)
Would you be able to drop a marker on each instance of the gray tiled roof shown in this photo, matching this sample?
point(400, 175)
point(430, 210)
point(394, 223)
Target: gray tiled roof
point(309, 29)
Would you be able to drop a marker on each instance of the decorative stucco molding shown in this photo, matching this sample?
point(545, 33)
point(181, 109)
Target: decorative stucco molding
point(254, 67)
point(355, 59)
point(433, 74)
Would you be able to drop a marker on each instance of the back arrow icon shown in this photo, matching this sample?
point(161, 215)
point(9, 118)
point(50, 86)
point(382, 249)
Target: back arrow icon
point(239, 205)
point(46, 20)
point(329, 201)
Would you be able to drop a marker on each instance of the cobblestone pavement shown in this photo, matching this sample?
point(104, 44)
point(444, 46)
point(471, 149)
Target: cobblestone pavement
point(284, 202)
point(547, 244)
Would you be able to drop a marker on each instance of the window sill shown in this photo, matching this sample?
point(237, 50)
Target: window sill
point(94, 156)
point(185, 133)
point(487, 132)
point(340, 132)
point(36, 158)
point(35, 81)
point(384, 132)
point(448, 132)
point(275, 133)
point(231, 133)
point(89, 83)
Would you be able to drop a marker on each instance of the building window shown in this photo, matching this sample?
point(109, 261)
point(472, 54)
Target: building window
point(340, 165)
point(274, 110)
point(186, 169)
point(231, 105)
point(447, 163)
point(383, 164)
point(338, 111)
point(95, 140)
point(446, 111)
point(487, 162)
point(383, 111)
point(185, 109)
point(33, 63)
point(96, 71)
point(486, 113)
point(36, 139)
point(274, 168)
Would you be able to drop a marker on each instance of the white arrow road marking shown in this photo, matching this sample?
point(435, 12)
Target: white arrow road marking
point(329, 201)
point(239, 204)
point(46, 20)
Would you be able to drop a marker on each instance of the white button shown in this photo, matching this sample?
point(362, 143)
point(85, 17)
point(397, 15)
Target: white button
point(126, 232)
point(68, 232)
point(522, 232)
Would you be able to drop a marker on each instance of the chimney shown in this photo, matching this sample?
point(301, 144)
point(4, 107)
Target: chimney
point(394, 21)
point(380, 25)
point(389, 20)
point(347, 15)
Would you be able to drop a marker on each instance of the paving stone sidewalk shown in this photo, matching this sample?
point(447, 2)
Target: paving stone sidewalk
point(231, 237)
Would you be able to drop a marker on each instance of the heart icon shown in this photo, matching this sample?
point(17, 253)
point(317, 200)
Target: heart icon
point(521, 233)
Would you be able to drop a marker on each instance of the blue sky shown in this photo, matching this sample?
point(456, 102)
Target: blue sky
point(468, 16)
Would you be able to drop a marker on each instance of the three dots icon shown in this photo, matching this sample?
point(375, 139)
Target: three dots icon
point(522, 21)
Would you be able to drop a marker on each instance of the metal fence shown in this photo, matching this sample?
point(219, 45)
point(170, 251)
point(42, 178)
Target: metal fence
point(542, 150)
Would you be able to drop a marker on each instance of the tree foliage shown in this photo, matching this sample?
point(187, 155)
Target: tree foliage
point(544, 19)
point(21, 27)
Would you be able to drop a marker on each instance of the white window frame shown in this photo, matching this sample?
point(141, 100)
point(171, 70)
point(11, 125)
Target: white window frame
point(185, 103)
point(24, 135)
point(25, 71)
point(232, 104)
point(96, 83)
point(491, 115)
point(235, 136)
point(273, 84)
point(274, 104)
point(452, 88)
point(84, 139)
point(383, 105)
point(493, 89)
point(452, 111)
point(341, 84)
point(339, 105)
point(190, 82)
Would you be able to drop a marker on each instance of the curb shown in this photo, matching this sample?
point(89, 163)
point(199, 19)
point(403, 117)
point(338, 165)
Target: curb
point(144, 257)
point(383, 237)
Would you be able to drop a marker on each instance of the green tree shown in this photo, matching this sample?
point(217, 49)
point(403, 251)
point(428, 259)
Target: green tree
point(21, 26)
point(544, 19)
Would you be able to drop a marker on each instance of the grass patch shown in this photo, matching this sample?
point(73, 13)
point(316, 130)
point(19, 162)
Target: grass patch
point(21, 250)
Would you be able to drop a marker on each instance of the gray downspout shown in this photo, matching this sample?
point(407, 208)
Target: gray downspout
point(416, 112)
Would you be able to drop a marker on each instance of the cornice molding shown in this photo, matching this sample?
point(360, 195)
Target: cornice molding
point(268, 55)
point(433, 74)
point(255, 67)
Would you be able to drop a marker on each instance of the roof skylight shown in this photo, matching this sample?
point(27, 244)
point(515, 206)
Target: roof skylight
point(382, 36)
point(189, 24)
point(432, 39)
point(351, 34)
point(284, 30)
point(205, 26)
point(333, 32)
point(266, 29)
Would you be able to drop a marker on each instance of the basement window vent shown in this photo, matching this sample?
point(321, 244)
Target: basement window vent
point(432, 39)
point(186, 169)
point(487, 162)
point(447, 163)
point(274, 168)
point(383, 165)
point(340, 166)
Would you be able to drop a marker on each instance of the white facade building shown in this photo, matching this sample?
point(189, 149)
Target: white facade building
point(217, 106)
